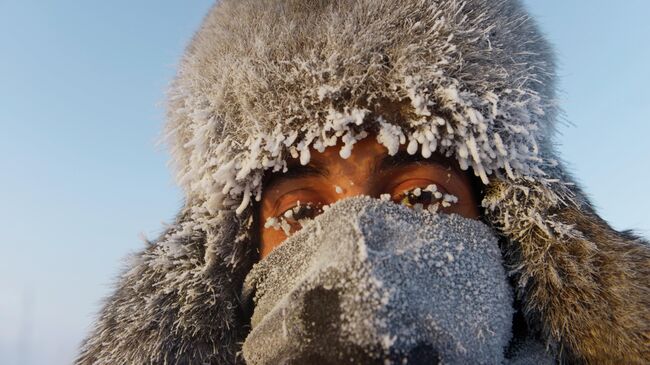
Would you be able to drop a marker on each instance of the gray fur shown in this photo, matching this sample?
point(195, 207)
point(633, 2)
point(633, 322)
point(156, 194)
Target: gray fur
point(257, 66)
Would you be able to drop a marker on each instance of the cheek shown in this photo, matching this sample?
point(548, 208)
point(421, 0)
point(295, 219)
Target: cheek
point(467, 205)
point(466, 208)
point(270, 238)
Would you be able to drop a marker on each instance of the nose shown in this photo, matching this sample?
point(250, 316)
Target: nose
point(351, 186)
point(422, 354)
point(348, 190)
point(321, 313)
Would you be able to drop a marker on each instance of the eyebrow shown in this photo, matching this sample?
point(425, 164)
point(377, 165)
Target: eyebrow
point(403, 158)
point(387, 163)
point(295, 171)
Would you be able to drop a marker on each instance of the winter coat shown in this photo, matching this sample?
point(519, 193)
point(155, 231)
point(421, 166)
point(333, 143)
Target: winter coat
point(263, 81)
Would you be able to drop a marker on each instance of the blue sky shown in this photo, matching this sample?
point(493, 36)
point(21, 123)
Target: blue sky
point(81, 105)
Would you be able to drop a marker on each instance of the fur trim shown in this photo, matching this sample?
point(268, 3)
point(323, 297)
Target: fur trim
point(266, 80)
point(582, 284)
point(178, 303)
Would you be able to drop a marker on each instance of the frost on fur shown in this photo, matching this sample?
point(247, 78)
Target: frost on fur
point(247, 113)
point(233, 180)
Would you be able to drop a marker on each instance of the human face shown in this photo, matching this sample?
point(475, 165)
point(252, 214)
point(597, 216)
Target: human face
point(368, 171)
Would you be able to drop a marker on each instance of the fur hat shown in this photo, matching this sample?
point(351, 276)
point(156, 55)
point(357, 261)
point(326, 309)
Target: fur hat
point(263, 81)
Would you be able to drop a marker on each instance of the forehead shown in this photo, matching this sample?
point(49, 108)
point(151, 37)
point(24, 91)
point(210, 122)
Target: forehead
point(368, 158)
point(365, 150)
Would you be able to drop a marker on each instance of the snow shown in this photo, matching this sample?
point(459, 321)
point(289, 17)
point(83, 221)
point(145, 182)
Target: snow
point(271, 222)
point(390, 136)
point(447, 199)
point(325, 91)
point(305, 156)
point(431, 188)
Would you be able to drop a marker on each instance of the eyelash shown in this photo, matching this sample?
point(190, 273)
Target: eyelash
point(428, 198)
point(294, 216)
point(302, 211)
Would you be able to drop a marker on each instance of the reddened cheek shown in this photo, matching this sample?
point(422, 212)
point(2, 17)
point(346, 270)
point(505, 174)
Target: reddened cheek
point(271, 239)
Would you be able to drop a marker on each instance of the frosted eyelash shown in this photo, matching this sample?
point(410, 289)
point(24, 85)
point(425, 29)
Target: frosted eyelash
point(282, 221)
point(447, 199)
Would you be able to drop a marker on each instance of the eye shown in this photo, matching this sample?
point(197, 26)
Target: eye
point(419, 197)
point(301, 211)
point(428, 198)
point(292, 218)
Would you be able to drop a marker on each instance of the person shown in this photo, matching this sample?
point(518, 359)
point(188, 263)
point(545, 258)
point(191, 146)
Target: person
point(374, 182)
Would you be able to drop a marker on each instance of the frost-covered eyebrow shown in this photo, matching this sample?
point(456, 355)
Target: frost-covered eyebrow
point(295, 171)
point(403, 158)
point(383, 164)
